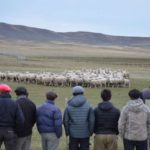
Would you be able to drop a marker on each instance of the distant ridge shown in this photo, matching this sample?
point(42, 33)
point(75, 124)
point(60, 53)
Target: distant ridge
point(25, 33)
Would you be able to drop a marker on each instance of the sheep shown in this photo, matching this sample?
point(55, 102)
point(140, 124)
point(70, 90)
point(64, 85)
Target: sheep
point(97, 78)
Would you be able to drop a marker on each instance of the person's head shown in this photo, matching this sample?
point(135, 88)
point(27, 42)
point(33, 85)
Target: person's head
point(51, 95)
point(78, 90)
point(145, 94)
point(134, 94)
point(21, 91)
point(4, 88)
point(106, 94)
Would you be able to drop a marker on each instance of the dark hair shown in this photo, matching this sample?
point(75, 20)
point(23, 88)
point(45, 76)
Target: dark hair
point(134, 94)
point(106, 94)
point(51, 95)
point(21, 91)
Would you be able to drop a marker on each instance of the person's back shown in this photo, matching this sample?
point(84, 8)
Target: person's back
point(134, 122)
point(11, 118)
point(78, 110)
point(106, 123)
point(78, 120)
point(29, 111)
point(8, 109)
point(106, 119)
point(49, 122)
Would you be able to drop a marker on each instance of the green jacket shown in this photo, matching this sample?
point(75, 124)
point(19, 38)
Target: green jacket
point(79, 118)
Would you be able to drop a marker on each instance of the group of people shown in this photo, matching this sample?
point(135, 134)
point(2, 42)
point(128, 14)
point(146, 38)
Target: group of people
point(80, 120)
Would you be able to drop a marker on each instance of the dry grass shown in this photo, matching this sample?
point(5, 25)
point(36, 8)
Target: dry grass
point(56, 57)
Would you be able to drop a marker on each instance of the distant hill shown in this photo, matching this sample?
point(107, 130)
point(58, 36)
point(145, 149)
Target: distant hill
point(25, 33)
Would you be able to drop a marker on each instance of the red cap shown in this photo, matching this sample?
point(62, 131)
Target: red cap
point(5, 88)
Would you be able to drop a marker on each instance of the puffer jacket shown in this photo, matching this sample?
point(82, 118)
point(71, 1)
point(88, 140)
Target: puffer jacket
point(106, 118)
point(134, 122)
point(49, 119)
point(79, 118)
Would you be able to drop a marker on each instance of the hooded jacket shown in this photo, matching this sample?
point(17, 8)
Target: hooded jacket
point(106, 118)
point(134, 122)
point(78, 118)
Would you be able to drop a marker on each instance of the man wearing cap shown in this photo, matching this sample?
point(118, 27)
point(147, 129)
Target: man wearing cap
point(78, 120)
point(29, 111)
point(49, 122)
point(11, 118)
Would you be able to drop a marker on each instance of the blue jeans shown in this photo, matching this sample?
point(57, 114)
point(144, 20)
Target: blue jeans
point(8, 136)
point(79, 143)
point(131, 145)
point(23, 143)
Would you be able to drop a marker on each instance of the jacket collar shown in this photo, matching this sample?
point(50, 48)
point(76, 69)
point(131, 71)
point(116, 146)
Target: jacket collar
point(5, 95)
point(50, 101)
point(22, 96)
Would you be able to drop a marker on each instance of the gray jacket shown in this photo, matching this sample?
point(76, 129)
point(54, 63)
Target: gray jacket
point(134, 122)
point(79, 118)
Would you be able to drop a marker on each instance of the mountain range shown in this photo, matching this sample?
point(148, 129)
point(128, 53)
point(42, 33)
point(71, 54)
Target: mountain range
point(9, 32)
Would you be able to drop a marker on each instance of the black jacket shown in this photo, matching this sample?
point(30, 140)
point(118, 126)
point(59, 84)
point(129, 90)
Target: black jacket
point(29, 111)
point(106, 119)
point(11, 115)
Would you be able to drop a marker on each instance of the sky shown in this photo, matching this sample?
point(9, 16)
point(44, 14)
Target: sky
point(113, 17)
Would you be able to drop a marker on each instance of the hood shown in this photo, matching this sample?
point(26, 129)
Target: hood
point(135, 105)
point(105, 106)
point(77, 101)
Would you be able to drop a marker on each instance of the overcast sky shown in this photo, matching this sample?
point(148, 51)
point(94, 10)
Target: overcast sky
point(114, 17)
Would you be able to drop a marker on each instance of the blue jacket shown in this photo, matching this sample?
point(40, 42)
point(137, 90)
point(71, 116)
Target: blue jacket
point(10, 113)
point(49, 119)
point(79, 118)
point(106, 118)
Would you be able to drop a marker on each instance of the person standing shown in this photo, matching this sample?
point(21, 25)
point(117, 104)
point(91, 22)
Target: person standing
point(49, 122)
point(11, 118)
point(134, 122)
point(29, 111)
point(78, 120)
point(106, 123)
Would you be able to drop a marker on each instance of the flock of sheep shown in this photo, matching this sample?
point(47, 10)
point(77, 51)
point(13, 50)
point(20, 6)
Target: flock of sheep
point(86, 78)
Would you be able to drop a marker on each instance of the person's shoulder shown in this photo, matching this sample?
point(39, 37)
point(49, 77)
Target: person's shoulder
point(125, 109)
point(87, 103)
point(146, 108)
point(13, 103)
point(31, 102)
point(41, 106)
point(116, 109)
point(57, 108)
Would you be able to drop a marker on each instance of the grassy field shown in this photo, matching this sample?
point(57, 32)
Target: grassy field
point(57, 57)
